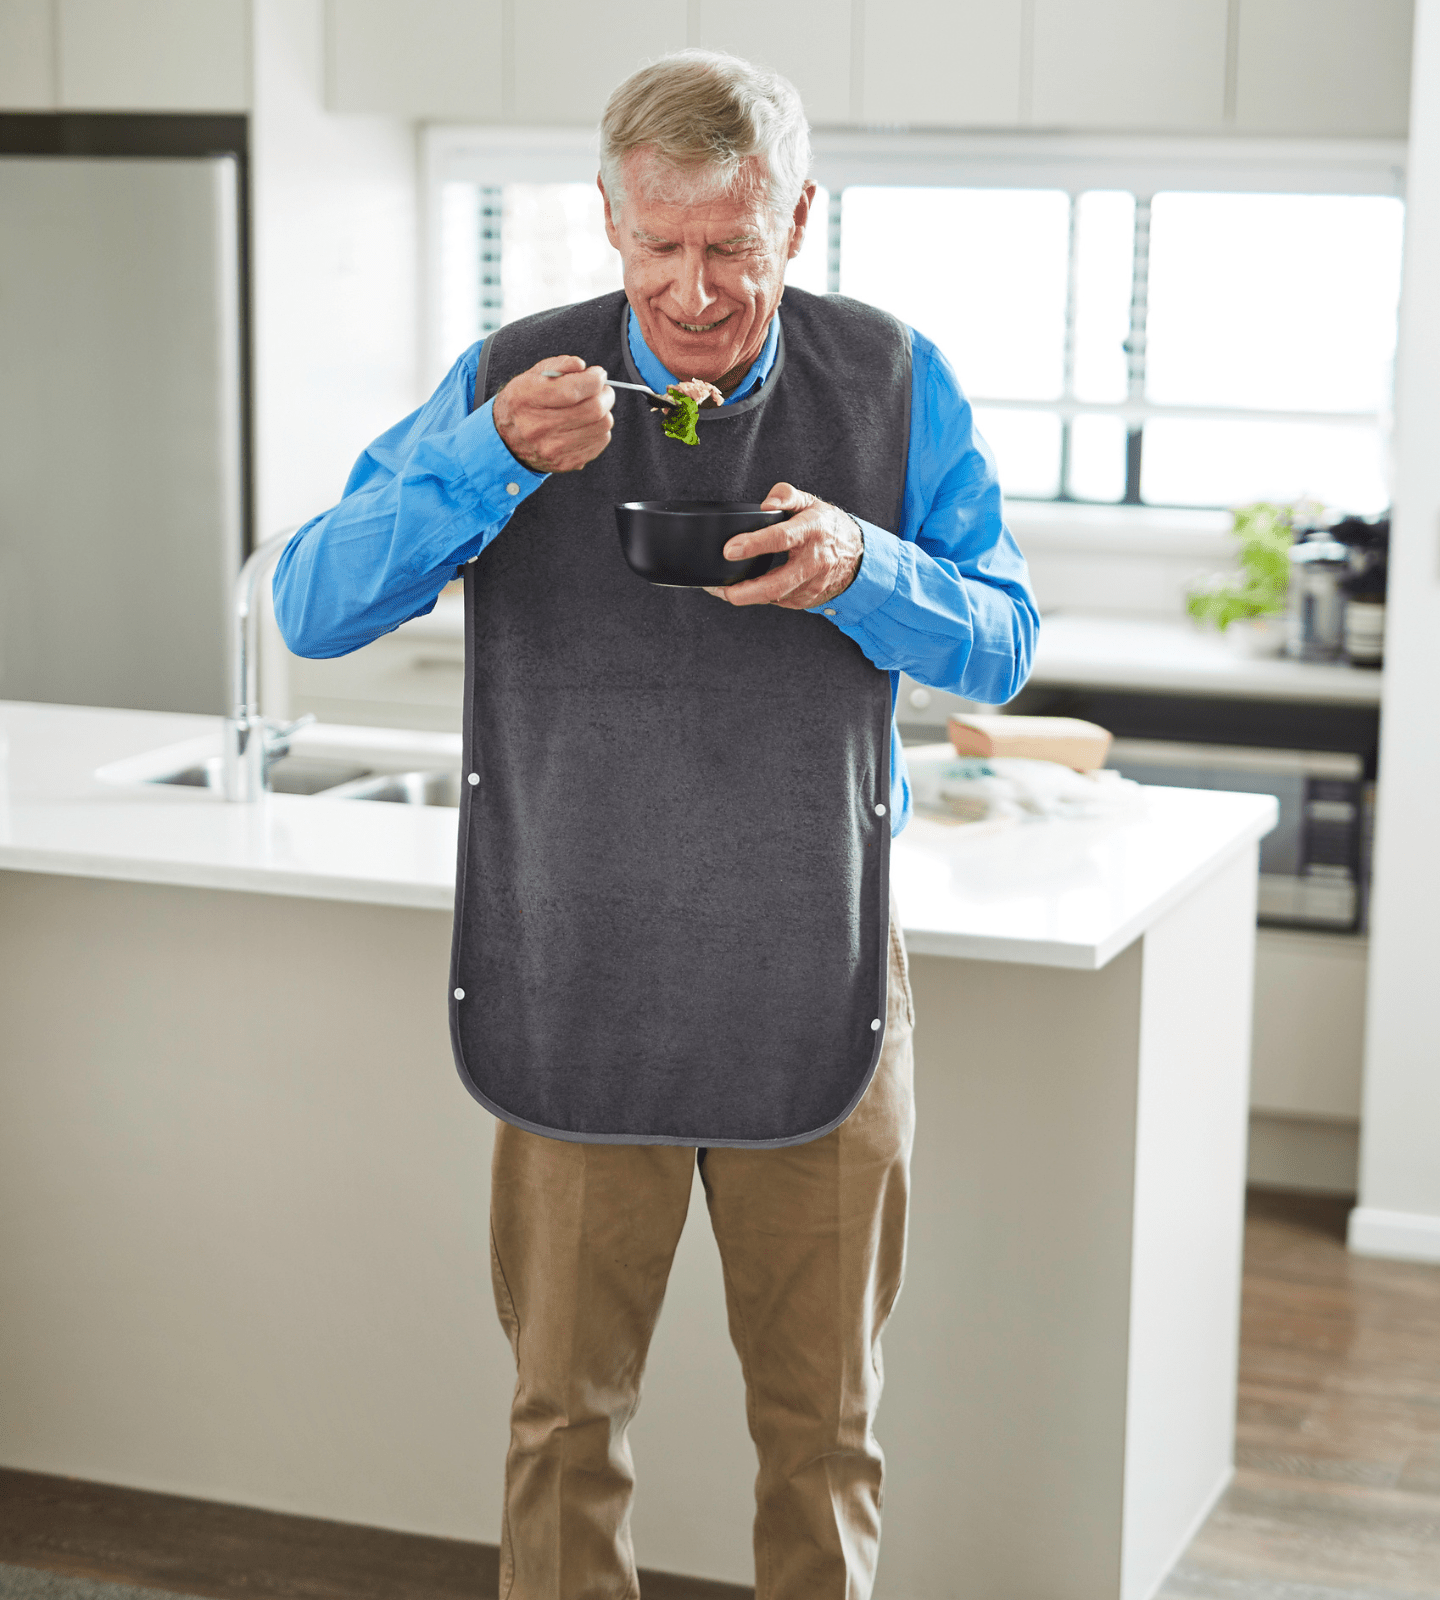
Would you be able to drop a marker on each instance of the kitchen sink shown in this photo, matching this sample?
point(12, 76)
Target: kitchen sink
point(288, 774)
point(329, 761)
point(403, 788)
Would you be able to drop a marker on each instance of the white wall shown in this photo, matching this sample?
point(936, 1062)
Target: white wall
point(336, 327)
point(1399, 1212)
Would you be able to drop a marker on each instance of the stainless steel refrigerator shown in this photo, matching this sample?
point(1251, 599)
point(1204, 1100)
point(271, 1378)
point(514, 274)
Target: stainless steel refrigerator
point(120, 428)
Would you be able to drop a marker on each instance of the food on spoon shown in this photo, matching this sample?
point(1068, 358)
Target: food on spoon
point(699, 391)
point(685, 400)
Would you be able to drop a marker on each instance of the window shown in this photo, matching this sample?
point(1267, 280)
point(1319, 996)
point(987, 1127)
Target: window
point(998, 312)
point(511, 249)
point(1269, 345)
point(1173, 349)
point(1168, 324)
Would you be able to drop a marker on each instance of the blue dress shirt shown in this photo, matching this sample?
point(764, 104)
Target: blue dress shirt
point(946, 597)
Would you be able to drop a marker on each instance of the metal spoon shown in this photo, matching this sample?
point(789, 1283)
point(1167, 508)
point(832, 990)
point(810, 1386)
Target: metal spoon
point(616, 384)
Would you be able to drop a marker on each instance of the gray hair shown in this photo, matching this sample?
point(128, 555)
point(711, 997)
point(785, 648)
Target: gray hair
point(705, 115)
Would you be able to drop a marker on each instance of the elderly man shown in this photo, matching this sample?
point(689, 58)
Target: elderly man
point(674, 936)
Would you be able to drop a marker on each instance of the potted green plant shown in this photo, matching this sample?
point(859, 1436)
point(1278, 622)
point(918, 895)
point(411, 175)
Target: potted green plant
point(1255, 597)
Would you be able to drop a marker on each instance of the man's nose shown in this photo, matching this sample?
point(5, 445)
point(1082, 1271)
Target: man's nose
point(691, 287)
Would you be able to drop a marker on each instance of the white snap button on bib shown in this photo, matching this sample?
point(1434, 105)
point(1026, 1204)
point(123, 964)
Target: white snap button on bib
point(473, 778)
point(875, 1026)
point(460, 995)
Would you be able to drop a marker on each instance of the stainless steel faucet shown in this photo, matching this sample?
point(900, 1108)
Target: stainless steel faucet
point(249, 742)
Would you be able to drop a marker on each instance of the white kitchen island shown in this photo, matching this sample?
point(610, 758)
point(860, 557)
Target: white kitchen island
point(243, 1194)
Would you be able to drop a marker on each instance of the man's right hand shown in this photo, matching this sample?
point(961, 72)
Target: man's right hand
point(555, 424)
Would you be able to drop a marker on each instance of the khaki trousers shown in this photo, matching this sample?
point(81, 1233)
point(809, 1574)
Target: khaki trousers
point(812, 1241)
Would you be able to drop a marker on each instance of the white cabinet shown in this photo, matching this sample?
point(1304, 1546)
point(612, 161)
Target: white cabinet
point(27, 59)
point(569, 54)
point(942, 63)
point(1302, 67)
point(417, 58)
point(1309, 1038)
point(1154, 64)
point(125, 55)
point(153, 55)
point(808, 41)
point(1324, 67)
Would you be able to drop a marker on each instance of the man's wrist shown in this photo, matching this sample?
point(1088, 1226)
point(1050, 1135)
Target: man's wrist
point(859, 528)
point(495, 474)
point(874, 580)
point(501, 418)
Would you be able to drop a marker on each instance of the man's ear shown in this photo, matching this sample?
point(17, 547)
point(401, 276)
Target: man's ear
point(801, 219)
point(612, 233)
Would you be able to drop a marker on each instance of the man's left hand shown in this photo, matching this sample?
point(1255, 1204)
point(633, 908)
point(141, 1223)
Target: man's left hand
point(825, 548)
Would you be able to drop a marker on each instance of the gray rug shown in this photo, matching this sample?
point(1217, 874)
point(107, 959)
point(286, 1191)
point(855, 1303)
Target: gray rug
point(30, 1583)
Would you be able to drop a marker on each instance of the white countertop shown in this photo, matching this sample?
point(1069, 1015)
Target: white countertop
point(1066, 894)
point(57, 816)
point(1177, 657)
point(1070, 894)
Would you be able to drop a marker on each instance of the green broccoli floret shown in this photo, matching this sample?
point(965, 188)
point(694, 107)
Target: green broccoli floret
point(680, 418)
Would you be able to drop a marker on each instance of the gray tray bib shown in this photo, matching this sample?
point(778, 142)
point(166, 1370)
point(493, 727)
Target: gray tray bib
point(672, 897)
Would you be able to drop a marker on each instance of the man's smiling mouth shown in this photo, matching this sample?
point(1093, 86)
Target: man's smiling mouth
point(701, 327)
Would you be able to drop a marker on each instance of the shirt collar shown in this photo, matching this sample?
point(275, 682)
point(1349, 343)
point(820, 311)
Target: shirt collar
point(660, 379)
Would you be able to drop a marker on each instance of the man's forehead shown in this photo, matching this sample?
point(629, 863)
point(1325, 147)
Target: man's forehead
point(718, 218)
point(664, 201)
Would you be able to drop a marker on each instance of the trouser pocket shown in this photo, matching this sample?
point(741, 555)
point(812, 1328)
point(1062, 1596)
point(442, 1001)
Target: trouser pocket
point(900, 970)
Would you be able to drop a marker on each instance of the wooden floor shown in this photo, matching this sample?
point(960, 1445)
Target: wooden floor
point(1336, 1494)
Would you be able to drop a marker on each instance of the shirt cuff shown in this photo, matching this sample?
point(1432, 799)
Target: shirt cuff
point(494, 474)
point(873, 583)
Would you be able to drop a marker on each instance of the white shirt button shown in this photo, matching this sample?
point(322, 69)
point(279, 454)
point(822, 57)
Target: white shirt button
point(829, 611)
point(512, 488)
point(875, 1026)
point(879, 811)
point(474, 777)
point(460, 995)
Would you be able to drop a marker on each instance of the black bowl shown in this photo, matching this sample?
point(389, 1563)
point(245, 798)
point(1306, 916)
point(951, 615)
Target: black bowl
point(677, 543)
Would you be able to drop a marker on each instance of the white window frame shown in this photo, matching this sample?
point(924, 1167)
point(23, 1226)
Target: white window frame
point(1070, 162)
point(490, 156)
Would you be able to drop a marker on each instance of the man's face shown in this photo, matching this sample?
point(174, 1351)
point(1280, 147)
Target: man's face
point(703, 276)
